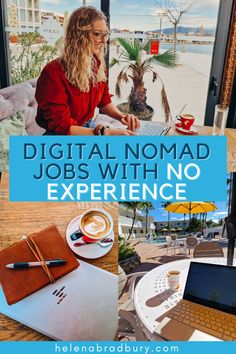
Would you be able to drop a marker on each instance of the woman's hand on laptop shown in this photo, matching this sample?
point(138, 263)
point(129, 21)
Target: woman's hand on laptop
point(118, 132)
point(131, 121)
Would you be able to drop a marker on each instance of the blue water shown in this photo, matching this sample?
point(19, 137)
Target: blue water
point(155, 241)
point(190, 48)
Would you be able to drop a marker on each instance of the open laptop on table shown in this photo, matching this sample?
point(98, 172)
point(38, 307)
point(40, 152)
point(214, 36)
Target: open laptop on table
point(208, 308)
point(153, 128)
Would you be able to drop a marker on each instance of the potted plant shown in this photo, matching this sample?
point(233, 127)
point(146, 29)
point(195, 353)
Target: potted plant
point(13, 38)
point(135, 68)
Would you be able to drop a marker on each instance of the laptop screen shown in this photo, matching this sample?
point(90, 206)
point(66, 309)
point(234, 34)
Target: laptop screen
point(212, 285)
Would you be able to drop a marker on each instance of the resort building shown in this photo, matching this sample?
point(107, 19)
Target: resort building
point(174, 224)
point(25, 14)
point(47, 14)
point(195, 39)
point(139, 228)
point(186, 38)
point(128, 35)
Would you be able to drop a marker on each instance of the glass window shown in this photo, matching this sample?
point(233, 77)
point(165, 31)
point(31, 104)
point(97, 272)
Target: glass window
point(22, 3)
point(167, 89)
point(39, 50)
point(29, 4)
point(22, 15)
point(36, 16)
point(30, 15)
point(36, 4)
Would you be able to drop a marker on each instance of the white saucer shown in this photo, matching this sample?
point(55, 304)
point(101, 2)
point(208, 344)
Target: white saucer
point(192, 131)
point(89, 251)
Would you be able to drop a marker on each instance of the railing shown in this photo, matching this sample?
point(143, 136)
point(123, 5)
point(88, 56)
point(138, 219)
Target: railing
point(123, 221)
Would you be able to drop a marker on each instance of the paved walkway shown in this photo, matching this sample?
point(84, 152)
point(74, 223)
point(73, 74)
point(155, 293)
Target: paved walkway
point(153, 255)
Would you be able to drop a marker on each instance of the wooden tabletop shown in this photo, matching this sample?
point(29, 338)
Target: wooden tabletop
point(17, 219)
point(231, 143)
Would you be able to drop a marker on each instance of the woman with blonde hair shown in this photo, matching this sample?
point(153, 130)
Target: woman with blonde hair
point(72, 86)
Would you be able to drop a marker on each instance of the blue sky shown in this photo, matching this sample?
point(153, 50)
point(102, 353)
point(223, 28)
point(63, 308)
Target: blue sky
point(141, 15)
point(160, 214)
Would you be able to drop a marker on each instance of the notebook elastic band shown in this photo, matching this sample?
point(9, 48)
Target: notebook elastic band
point(38, 255)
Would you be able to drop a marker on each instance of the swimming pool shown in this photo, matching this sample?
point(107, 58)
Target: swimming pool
point(156, 241)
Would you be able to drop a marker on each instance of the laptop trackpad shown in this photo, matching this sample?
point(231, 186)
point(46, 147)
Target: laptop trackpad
point(174, 330)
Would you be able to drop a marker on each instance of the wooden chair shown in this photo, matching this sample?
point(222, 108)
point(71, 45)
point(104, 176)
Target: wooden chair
point(208, 249)
point(122, 280)
point(191, 242)
point(129, 326)
point(128, 323)
point(173, 237)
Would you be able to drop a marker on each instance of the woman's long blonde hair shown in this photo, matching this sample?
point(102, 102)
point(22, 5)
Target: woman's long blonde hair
point(77, 57)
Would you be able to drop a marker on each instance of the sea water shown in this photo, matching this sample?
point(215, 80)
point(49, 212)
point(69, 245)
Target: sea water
point(190, 48)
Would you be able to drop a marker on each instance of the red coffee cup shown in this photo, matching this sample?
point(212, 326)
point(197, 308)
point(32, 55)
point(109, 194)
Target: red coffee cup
point(187, 121)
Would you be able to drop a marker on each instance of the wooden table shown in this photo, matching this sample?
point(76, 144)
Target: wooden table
point(17, 219)
point(231, 143)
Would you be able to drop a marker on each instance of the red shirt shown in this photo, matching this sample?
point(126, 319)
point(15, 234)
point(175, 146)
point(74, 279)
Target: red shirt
point(61, 105)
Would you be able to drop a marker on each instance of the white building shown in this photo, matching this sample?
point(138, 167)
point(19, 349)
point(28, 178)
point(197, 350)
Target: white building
point(183, 224)
point(58, 17)
point(28, 14)
point(195, 39)
point(126, 220)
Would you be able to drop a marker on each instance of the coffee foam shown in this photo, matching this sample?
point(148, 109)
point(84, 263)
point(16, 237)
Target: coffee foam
point(95, 224)
point(173, 272)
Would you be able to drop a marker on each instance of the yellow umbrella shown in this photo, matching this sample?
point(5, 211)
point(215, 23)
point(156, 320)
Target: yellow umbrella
point(191, 207)
point(164, 230)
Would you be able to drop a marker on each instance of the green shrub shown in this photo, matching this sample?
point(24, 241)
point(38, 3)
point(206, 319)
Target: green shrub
point(125, 251)
point(27, 62)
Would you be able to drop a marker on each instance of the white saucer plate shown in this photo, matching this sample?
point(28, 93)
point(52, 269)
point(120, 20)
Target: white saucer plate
point(193, 131)
point(89, 251)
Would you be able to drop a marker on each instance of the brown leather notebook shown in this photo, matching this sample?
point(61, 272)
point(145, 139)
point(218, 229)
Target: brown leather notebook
point(19, 283)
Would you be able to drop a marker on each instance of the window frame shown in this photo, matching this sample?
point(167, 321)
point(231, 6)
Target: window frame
point(220, 59)
point(4, 48)
point(223, 66)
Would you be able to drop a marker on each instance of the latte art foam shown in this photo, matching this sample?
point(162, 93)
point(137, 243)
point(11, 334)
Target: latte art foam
point(95, 224)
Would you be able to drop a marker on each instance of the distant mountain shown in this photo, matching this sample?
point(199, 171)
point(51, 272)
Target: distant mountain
point(180, 29)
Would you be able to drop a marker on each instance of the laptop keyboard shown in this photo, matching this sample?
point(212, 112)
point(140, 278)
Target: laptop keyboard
point(152, 128)
point(216, 323)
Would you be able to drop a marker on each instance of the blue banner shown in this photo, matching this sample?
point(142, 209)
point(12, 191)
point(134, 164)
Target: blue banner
point(117, 347)
point(62, 168)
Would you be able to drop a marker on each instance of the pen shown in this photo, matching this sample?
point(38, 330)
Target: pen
point(22, 265)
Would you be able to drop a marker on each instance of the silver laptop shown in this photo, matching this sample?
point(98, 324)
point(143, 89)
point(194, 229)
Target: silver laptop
point(153, 128)
point(208, 308)
point(82, 305)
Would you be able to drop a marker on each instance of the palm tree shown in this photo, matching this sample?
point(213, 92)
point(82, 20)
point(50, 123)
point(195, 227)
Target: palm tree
point(147, 206)
point(135, 68)
point(184, 223)
point(134, 206)
point(164, 205)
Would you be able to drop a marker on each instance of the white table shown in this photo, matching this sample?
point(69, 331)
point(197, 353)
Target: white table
point(155, 282)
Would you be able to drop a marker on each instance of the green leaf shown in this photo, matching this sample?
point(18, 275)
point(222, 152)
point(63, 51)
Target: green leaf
point(131, 52)
point(168, 59)
point(113, 62)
